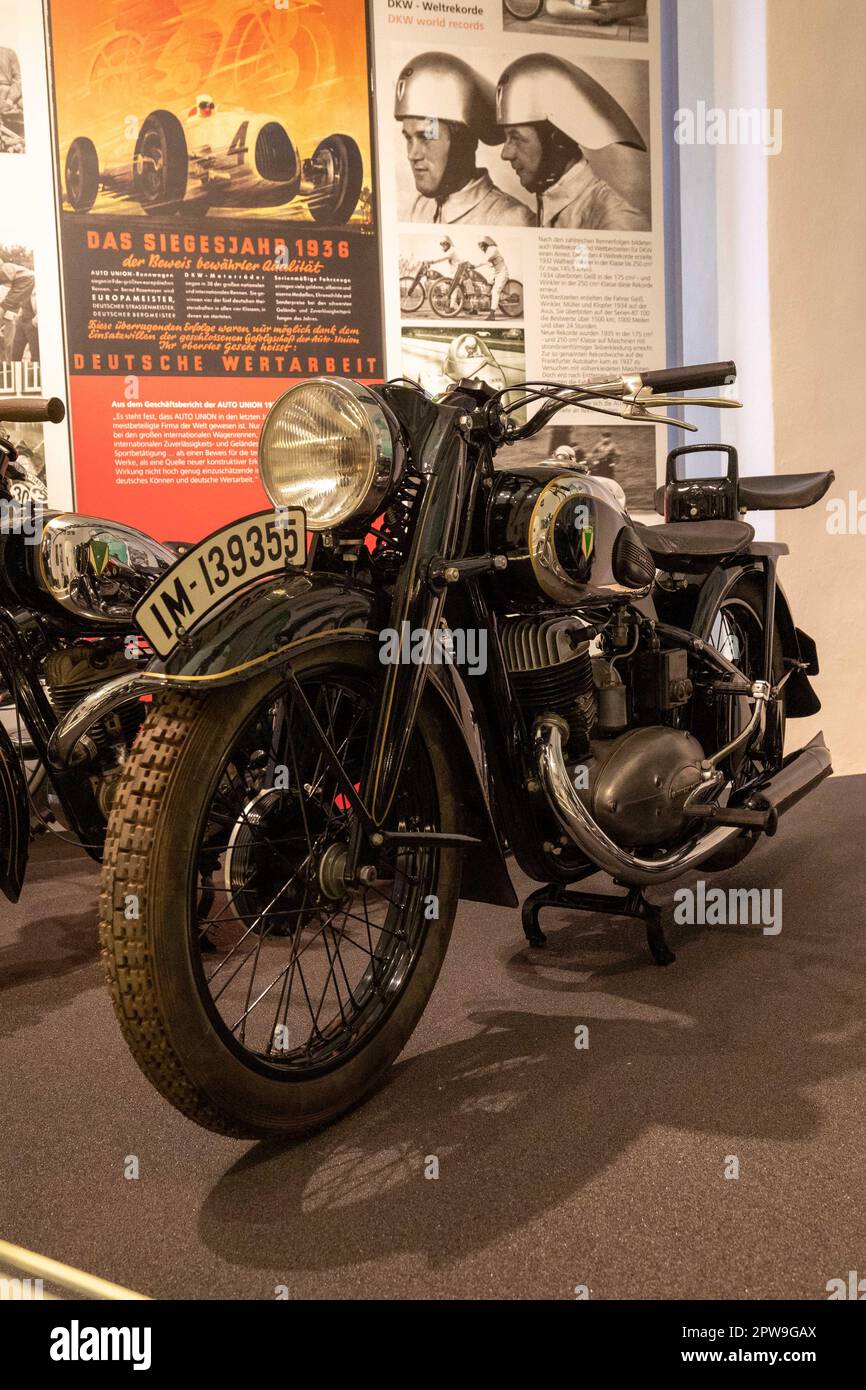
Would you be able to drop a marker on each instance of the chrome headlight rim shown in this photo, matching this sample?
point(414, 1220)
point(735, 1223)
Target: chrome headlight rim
point(385, 436)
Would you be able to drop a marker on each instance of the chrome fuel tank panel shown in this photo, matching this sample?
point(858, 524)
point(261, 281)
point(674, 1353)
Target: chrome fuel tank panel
point(98, 570)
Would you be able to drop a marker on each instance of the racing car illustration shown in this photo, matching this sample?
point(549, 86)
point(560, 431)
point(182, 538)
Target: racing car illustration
point(217, 158)
point(578, 11)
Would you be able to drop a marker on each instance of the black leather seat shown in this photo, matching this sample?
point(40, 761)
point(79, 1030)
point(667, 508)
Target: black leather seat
point(694, 545)
point(783, 491)
point(774, 492)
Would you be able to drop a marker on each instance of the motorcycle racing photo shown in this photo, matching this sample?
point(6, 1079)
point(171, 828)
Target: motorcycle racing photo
point(420, 666)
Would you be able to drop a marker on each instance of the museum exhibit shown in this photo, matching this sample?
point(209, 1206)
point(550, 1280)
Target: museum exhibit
point(431, 627)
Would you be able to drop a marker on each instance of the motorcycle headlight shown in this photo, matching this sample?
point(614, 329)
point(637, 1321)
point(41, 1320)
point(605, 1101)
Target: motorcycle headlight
point(329, 446)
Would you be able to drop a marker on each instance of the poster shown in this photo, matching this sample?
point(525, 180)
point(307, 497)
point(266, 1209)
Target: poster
point(31, 341)
point(521, 154)
point(218, 238)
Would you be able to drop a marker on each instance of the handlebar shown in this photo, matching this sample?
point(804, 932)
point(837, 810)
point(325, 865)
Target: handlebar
point(27, 410)
point(697, 378)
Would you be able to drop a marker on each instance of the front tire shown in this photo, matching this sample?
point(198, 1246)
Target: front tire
point(175, 794)
point(160, 164)
point(338, 170)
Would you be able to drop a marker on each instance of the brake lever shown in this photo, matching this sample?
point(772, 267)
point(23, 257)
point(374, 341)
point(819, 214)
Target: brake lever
point(635, 405)
point(634, 410)
point(715, 402)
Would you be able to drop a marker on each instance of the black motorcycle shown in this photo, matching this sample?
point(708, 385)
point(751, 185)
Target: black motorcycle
point(465, 662)
point(68, 587)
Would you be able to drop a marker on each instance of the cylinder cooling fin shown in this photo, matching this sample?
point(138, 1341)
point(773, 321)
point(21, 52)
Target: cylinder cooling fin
point(550, 670)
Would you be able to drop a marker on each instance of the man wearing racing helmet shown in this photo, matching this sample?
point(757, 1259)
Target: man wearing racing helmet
point(550, 111)
point(450, 256)
point(445, 108)
point(495, 259)
point(202, 111)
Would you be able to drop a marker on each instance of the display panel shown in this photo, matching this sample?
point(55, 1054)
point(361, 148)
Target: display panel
point(521, 151)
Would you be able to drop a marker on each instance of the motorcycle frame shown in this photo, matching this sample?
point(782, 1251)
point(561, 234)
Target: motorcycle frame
point(22, 645)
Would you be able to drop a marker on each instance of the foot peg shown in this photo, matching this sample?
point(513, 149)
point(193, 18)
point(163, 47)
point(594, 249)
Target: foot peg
point(630, 904)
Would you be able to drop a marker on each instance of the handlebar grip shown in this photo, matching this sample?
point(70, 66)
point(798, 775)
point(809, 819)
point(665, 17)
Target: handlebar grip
point(26, 410)
point(696, 378)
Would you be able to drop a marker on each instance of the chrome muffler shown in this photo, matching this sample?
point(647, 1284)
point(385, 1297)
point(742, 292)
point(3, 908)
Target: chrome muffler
point(800, 772)
point(67, 744)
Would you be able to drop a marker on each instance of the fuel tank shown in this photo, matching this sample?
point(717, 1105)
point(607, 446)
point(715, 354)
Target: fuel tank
point(566, 537)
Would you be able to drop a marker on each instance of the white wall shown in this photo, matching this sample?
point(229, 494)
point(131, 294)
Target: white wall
point(817, 243)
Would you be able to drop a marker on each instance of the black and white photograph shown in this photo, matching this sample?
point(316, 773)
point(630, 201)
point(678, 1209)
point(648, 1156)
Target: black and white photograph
point(591, 19)
point(26, 476)
point(436, 357)
point(623, 454)
point(462, 272)
point(19, 324)
point(537, 141)
point(11, 101)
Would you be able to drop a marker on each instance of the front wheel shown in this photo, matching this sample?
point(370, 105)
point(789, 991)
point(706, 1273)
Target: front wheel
point(258, 991)
point(337, 169)
point(524, 9)
point(411, 294)
point(446, 298)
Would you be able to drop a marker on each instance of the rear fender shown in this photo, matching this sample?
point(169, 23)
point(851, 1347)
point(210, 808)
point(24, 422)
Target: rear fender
point(267, 624)
point(800, 698)
point(14, 820)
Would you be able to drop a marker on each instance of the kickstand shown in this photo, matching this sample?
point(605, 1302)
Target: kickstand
point(630, 904)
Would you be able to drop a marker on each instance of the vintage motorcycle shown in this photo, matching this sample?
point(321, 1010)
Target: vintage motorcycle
point(68, 587)
point(466, 661)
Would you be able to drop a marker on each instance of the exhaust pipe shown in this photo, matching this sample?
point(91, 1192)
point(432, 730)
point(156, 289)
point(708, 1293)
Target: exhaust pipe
point(798, 775)
point(77, 723)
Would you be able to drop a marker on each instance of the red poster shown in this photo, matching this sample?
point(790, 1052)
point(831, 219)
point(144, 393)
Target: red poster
point(217, 236)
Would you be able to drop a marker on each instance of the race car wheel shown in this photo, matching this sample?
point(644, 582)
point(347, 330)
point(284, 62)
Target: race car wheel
point(81, 174)
point(338, 172)
point(160, 164)
point(524, 9)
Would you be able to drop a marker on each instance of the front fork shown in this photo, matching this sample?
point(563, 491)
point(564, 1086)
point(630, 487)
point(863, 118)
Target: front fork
point(416, 608)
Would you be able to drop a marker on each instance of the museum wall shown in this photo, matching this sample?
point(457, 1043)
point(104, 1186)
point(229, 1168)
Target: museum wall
point(817, 222)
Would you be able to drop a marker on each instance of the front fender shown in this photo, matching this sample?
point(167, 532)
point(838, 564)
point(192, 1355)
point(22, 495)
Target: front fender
point(267, 624)
point(263, 625)
point(261, 629)
point(14, 820)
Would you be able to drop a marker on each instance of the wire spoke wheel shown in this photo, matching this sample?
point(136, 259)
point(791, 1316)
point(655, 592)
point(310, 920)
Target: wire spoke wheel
point(737, 632)
point(305, 966)
point(279, 986)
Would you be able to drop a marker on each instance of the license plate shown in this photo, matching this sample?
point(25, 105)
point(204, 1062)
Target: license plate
point(217, 567)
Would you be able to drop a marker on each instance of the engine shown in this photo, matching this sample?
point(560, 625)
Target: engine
point(74, 671)
point(632, 771)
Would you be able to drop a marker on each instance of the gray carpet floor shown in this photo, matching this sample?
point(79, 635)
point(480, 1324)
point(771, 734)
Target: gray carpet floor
point(558, 1167)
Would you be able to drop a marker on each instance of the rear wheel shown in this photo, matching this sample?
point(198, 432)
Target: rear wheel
point(511, 299)
point(81, 174)
point(259, 992)
point(737, 632)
